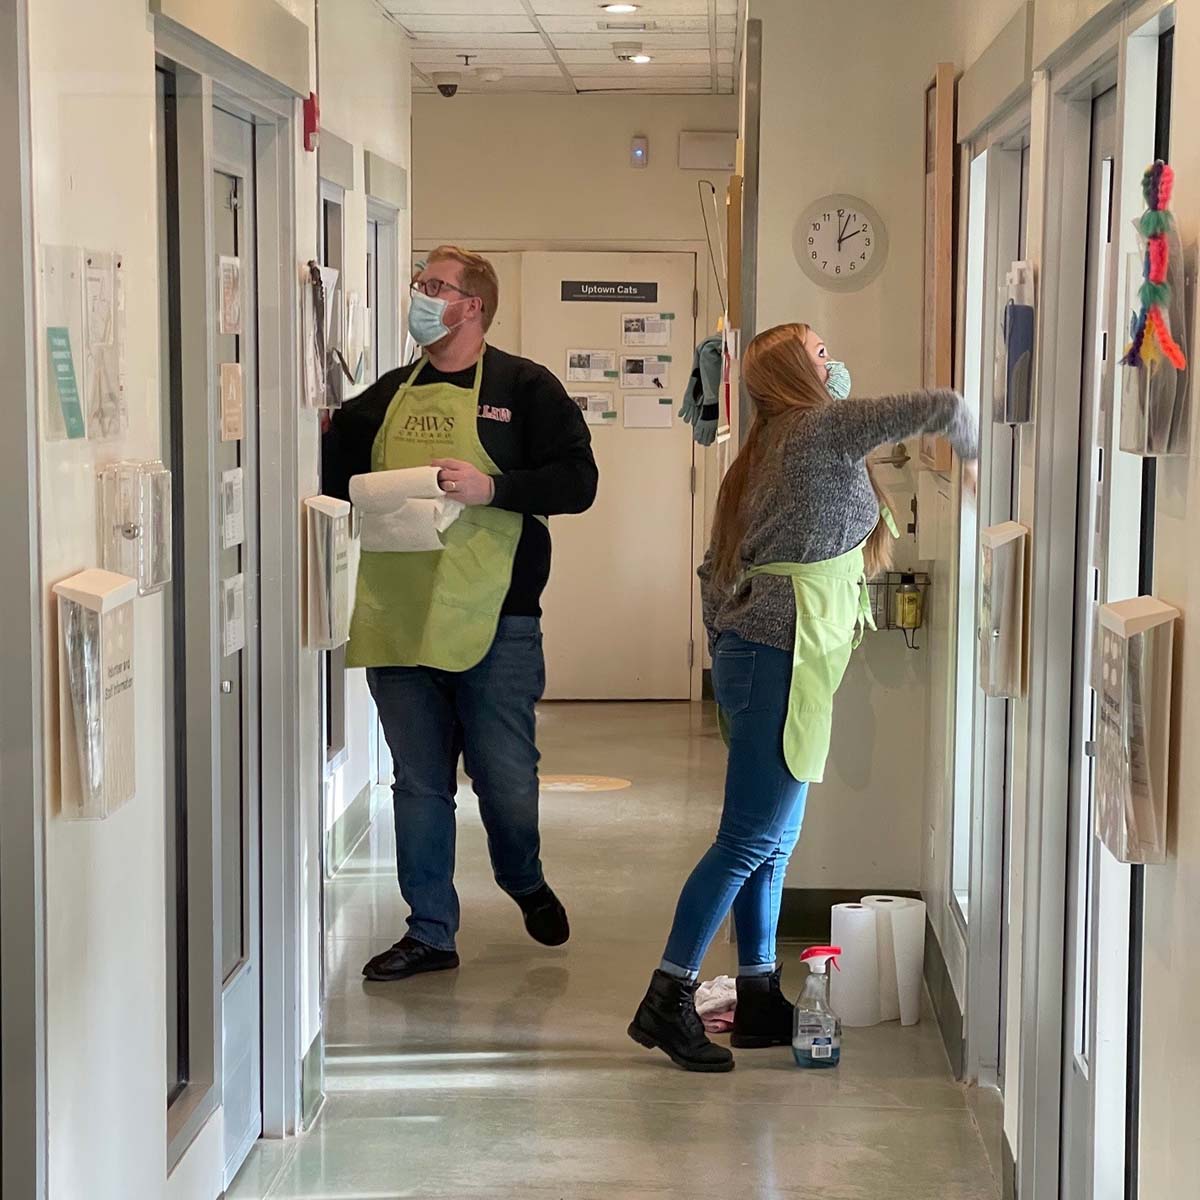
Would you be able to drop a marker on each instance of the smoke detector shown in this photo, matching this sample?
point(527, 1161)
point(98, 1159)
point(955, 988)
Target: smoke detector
point(630, 52)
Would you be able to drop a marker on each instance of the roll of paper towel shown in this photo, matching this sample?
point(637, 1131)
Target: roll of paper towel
point(854, 990)
point(900, 931)
point(414, 526)
point(386, 491)
point(402, 511)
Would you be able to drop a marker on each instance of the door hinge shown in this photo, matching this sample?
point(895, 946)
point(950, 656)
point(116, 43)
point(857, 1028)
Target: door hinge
point(693, 478)
point(1089, 749)
point(695, 303)
point(691, 654)
point(231, 200)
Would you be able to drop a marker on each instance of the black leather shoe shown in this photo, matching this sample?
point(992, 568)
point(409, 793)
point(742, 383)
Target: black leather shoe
point(763, 1016)
point(545, 918)
point(666, 1020)
point(408, 957)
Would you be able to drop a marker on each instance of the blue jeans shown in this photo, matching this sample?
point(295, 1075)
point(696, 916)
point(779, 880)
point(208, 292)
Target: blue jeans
point(760, 823)
point(485, 715)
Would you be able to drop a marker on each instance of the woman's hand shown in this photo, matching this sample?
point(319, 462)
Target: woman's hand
point(463, 482)
point(970, 479)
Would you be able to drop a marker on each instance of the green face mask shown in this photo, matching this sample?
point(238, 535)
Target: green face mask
point(837, 380)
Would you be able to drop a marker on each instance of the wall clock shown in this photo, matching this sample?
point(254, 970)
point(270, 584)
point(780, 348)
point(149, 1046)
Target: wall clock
point(841, 242)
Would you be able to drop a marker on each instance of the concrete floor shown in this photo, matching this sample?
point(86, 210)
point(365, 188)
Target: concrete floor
point(514, 1077)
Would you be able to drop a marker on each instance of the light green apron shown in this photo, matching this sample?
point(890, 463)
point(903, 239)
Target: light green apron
point(436, 608)
point(833, 608)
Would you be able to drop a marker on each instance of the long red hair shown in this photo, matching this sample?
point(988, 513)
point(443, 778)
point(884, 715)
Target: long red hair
point(782, 382)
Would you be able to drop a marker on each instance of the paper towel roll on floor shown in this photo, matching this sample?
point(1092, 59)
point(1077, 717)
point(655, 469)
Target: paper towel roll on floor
point(402, 511)
point(854, 990)
point(883, 960)
point(900, 928)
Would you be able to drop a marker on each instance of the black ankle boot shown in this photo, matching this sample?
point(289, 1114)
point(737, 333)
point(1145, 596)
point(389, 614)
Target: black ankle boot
point(763, 1016)
point(666, 1019)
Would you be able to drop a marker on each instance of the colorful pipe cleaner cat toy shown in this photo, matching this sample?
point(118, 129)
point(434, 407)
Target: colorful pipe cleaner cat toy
point(1151, 328)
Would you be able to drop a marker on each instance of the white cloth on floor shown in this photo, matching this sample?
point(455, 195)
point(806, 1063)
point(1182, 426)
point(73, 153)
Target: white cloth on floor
point(718, 995)
point(715, 1004)
point(402, 511)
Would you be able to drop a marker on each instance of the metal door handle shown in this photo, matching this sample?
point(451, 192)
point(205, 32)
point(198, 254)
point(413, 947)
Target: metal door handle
point(226, 687)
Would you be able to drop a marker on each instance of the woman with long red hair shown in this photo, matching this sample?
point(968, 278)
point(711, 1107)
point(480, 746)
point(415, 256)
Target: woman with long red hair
point(800, 525)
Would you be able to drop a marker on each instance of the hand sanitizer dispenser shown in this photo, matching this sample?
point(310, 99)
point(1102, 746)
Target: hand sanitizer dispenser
point(1002, 610)
point(1134, 727)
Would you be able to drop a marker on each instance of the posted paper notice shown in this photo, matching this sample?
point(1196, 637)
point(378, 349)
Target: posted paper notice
point(230, 293)
point(638, 329)
point(646, 371)
point(649, 411)
point(233, 614)
point(233, 509)
point(597, 407)
point(232, 402)
point(591, 366)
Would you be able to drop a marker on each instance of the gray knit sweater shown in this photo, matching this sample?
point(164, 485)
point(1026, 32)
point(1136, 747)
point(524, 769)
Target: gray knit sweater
point(812, 500)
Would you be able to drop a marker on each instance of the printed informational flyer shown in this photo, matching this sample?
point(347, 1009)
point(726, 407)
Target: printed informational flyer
point(233, 614)
point(646, 371)
point(230, 295)
point(649, 411)
point(591, 366)
point(233, 511)
point(232, 402)
point(638, 329)
point(597, 407)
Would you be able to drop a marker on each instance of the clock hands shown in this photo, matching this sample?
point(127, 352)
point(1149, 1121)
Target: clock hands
point(843, 236)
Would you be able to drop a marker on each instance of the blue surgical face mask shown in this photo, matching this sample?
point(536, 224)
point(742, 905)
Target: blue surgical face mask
point(837, 380)
point(427, 319)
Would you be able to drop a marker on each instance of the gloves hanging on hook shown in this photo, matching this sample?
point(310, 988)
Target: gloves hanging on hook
point(701, 401)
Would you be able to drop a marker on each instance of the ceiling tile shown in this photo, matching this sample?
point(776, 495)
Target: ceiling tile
point(446, 57)
point(623, 27)
point(468, 43)
point(604, 54)
point(468, 26)
point(649, 8)
point(663, 41)
point(440, 8)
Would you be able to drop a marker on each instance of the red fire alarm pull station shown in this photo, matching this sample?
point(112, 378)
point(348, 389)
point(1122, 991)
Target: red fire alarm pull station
point(312, 122)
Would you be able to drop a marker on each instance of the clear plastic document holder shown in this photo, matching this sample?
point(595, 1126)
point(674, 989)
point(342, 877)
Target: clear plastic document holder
point(135, 516)
point(1012, 391)
point(328, 572)
point(1134, 728)
point(1155, 405)
point(96, 693)
point(1002, 610)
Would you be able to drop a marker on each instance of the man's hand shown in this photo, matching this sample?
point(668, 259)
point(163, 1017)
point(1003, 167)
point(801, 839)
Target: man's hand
point(463, 482)
point(970, 480)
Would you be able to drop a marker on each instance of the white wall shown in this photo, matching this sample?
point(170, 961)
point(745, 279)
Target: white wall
point(539, 169)
point(95, 185)
point(92, 83)
point(853, 122)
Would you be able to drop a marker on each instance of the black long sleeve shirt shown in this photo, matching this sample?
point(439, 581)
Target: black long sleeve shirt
point(531, 430)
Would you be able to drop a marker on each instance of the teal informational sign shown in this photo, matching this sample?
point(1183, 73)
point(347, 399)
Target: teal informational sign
point(63, 366)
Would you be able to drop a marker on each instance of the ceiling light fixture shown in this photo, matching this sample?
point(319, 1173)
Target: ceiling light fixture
point(620, 8)
point(640, 59)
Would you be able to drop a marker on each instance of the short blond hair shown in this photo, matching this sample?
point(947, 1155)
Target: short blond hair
point(479, 277)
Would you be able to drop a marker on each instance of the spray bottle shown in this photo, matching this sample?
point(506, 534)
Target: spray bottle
point(817, 1032)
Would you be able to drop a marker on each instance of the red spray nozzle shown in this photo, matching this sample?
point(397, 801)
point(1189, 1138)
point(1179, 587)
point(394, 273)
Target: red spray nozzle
point(818, 956)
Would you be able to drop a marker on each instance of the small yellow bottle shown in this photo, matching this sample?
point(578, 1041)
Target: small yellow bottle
point(907, 604)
